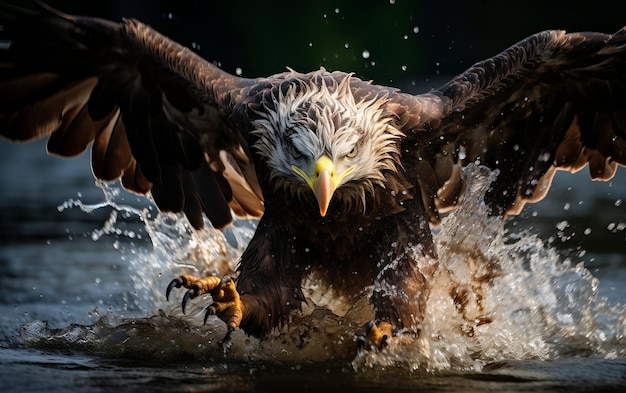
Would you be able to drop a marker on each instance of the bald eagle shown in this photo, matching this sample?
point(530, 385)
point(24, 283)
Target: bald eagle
point(346, 176)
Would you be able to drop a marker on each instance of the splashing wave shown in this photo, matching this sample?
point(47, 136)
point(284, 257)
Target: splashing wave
point(496, 296)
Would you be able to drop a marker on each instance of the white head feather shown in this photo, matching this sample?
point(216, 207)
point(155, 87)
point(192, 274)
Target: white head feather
point(315, 116)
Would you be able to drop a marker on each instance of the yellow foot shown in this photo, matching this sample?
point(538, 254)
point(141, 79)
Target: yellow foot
point(226, 302)
point(376, 336)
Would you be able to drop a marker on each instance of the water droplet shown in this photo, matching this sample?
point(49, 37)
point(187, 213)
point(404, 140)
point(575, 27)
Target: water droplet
point(346, 45)
point(238, 71)
point(618, 202)
point(545, 157)
point(365, 54)
point(416, 29)
point(562, 225)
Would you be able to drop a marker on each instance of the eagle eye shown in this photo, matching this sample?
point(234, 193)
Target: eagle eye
point(294, 152)
point(352, 153)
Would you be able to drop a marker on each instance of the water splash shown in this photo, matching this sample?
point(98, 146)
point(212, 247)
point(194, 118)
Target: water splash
point(496, 296)
point(112, 195)
point(502, 296)
point(176, 246)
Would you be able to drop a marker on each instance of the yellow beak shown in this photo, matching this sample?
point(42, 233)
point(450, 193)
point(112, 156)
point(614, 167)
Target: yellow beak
point(323, 181)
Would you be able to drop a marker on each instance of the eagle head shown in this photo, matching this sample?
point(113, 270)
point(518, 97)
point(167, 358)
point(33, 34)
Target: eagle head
point(315, 137)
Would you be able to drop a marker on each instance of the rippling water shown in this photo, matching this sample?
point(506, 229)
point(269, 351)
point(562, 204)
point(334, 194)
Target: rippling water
point(82, 304)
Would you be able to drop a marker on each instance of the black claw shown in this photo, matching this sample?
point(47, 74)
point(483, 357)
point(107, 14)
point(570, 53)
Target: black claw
point(384, 342)
point(209, 311)
point(369, 326)
point(191, 293)
point(360, 342)
point(177, 282)
point(229, 331)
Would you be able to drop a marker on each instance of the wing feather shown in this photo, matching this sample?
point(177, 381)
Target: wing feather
point(157, 114)
point(111, 155)
point(554, 101)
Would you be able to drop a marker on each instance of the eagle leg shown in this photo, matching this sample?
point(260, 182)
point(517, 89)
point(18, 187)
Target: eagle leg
point(227, 304)
point(401, 286)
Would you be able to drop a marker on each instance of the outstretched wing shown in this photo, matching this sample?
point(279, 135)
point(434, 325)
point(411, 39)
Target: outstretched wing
point(552, 101)
point(156, 113)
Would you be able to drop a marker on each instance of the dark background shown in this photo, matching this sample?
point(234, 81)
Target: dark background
point(426, 38)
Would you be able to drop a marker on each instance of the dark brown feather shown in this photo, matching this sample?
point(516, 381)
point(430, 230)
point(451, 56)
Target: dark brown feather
point(125, 88)
point(111, 155)
point(552, 101)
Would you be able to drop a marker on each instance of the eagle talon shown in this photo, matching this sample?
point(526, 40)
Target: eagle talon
point(190, 294)
point(210, 310)
point(226, 338)
point(360, 342)
point(226, 305)
point(376, 336)
point(384, 341)
point(177, 282)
